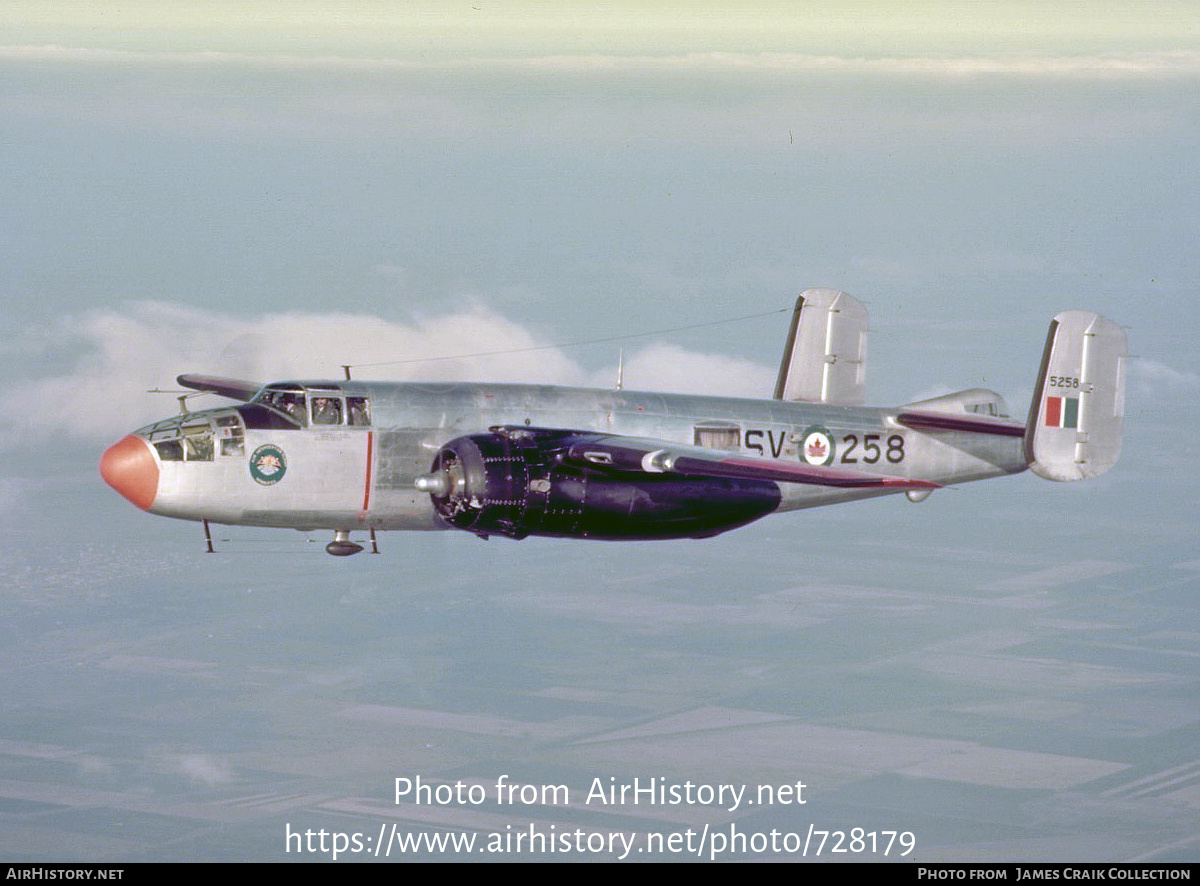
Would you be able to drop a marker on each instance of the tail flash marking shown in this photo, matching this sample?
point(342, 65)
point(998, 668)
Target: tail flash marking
point(1062, 412)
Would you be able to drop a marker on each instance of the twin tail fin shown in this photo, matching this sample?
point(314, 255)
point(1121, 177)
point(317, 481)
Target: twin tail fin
point(1078, 407)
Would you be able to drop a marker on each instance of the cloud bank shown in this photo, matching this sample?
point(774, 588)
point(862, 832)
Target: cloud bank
point(1139, 64)
point(755, 99)
point(116, 355)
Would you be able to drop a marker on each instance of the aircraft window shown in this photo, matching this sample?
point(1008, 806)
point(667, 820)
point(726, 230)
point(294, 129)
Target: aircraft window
point(327, 410)
point(360, 410)
point(231, 436)
point(293, 405)
point(168, 429)
point(169, 450)
point(290, 404)
point(328, 407)
point(261, 418)
point(198, 447)
point(718, 435)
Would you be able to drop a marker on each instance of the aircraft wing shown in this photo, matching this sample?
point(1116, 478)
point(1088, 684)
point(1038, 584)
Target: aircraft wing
point(233, 388)
point(659, 457)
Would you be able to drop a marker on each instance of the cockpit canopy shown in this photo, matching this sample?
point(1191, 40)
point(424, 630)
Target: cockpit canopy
point(213, 433)
point(315, 404)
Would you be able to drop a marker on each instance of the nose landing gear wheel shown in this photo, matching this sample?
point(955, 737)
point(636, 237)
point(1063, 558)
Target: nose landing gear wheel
point(341, 546)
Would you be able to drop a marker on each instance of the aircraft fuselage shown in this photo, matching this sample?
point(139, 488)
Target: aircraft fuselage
point(248, 465)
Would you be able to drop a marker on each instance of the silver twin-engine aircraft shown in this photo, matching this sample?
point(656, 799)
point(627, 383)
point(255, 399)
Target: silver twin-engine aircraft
point(520, 460)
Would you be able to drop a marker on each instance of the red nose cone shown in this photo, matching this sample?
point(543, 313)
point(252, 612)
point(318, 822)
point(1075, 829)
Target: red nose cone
point(128, 466)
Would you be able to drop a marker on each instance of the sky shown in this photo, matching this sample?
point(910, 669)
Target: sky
point(849, 25)
point(271, 190)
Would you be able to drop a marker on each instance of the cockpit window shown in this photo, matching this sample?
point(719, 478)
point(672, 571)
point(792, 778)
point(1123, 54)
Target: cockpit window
point(329, 405)
point(360, 410)
point(274, 403)
point(192, 437)
point(259, 418)
point(326, 410)
point(290, 404)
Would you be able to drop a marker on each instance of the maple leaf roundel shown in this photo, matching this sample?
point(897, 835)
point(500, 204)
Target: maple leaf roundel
point(817, 447)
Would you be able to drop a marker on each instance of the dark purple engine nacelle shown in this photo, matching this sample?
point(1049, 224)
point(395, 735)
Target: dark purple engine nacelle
point(518, 482)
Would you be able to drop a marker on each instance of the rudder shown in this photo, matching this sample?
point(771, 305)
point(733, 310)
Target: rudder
point(1077, 413)
point(824, 360)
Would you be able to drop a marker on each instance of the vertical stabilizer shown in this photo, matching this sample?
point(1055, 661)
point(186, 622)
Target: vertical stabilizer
point(1078, 408)
point(825, 358)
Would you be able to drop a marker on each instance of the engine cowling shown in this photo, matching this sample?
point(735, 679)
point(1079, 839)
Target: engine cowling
point(518, 482)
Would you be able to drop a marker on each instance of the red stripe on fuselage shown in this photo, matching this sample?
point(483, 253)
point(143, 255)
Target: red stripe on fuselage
point(367, 485)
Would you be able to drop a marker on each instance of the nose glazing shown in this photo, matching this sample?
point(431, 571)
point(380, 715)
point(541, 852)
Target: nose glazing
point(128, 466)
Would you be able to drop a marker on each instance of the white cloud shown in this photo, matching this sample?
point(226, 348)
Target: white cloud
point(1098, 65)
point(759, 98)
point(666, 367)
point(121, 353)
point(1154, 379)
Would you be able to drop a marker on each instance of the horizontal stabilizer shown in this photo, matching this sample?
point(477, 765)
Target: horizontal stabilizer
point(233, 388)
point(824, 360)
point(975, 410)
point(658, 457)
point(1078, 408)
point(975, 424)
